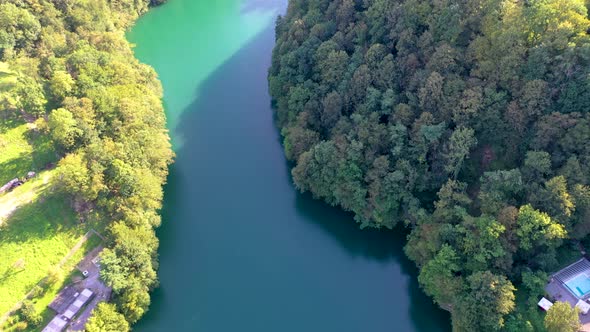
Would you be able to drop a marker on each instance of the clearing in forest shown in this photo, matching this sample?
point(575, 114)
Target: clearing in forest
point(38, 227)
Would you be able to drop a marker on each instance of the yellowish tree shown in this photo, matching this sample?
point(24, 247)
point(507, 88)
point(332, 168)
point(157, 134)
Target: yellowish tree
point(561, 317)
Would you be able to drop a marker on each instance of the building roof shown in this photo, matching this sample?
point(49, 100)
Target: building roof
point(57, 324)
point(565, 274)
point(63, 300)
point(545, 304)
point(69, 314)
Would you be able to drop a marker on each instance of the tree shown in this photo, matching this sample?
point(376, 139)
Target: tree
point(298, 140)
point(332, 108)
point(113, 272)
point(556, 200)
point(64, 128)
point(535, 282)
point(537, 165)
point(486, 303)
point(106, 319)
point(60, 85)
point(561, 317)
point(72, 176)
point(134, 302)
point(18, 28)
point(499, 189)
point(431, 94)
point(54, 275)
point(30, 97)
point(460, 144)
point(536, 229)
point(439, 276)
point(30, 313)
point(481, 244)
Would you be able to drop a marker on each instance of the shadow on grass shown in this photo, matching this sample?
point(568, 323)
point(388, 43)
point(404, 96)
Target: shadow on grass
point(43, 150)
point(42, 154)
point(9, 120)
point(42, 218)
point(9, 273)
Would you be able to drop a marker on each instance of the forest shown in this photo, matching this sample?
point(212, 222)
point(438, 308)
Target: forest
point(79, 85)
point(462, 122)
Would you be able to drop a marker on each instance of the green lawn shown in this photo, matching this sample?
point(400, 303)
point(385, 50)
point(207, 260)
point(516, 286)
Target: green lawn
point(23, 150)
point(71, 272)
point(33, 239)
point(37, 235)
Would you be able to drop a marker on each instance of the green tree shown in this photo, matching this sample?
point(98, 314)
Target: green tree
point(61, 85)
point(460, 144)
point(72, 176)
point(64, 128)
point(488, 300)
point(499, 189)
point(537, 229)
point(561, 317)
point(134, 302)
point(481, 243)
point(30, 97)
point(535, 282)
point(18, 28)
point(30, 313)
point(105, 318)
point(439, 277)
point(537, 165)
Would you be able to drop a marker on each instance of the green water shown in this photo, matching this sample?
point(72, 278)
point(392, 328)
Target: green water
point(240, 249)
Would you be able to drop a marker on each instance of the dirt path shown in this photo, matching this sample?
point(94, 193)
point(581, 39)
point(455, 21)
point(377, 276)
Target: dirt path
point(11, 201)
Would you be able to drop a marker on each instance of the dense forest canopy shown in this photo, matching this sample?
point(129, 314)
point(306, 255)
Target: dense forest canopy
point(102, 109)
point(465, 120)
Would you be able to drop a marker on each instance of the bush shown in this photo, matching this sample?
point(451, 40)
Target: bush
point(20, 326)
point(30, 314)
point(37, 291)
point(54, 275)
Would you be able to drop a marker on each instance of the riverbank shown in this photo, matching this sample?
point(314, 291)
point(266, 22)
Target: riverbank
point(256, 254)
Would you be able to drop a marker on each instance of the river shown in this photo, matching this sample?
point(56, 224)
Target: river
point(240, 248)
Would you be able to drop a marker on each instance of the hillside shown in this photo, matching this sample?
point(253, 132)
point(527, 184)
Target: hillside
point(78, 109)
point(466, 121)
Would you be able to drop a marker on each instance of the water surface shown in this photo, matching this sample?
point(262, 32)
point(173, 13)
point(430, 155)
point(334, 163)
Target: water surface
point(240, 249)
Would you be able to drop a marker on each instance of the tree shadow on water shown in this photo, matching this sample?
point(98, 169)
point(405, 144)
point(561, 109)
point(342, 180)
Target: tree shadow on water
point(381, 245)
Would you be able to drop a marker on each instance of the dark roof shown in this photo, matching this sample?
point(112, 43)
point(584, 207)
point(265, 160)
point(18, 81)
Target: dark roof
point(581, 266)
point(63, 300)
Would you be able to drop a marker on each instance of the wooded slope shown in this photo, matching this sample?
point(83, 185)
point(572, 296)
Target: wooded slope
point(466, 121)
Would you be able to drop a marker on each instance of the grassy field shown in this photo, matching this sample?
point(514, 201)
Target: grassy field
point(37, 227)
point(35, 238)
point(71, 273)
point(23, 149)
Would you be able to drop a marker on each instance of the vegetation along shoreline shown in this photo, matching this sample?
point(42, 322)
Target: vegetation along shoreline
point(80, 111)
